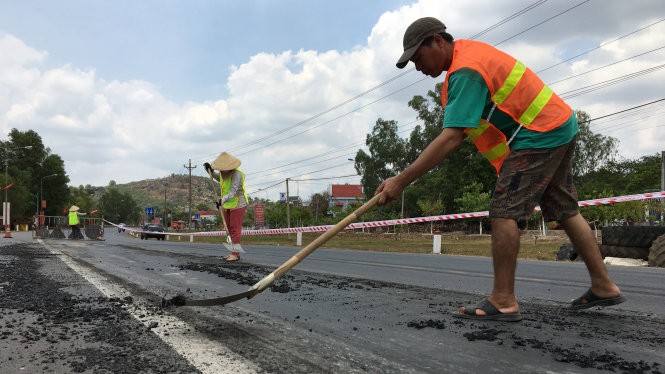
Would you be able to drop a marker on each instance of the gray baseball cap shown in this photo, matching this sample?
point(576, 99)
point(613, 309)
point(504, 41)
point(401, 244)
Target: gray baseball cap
point(414, 35)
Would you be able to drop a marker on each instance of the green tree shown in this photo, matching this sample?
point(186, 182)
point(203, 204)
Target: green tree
point(300, 216)
point(82, 197)
point(630, 211)
point(386, 155)
point(32, 170)
point(636, 176)
point(275, 215)
point(462, 167)
point(430, 207)
point(592, 151)
point(119, 207)
point(318, 205)
point(474, 199)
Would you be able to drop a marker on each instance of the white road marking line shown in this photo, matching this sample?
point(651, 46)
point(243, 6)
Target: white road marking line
point(208, 356)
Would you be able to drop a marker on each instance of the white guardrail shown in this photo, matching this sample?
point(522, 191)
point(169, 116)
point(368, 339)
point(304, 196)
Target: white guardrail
point(402, 221)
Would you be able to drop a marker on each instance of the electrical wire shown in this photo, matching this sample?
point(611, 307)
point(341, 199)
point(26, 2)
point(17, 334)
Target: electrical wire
point(600, 46)
point(610, 82)
point(573, 93)
point(605, 66)
point(542, 22)
point(307, 120)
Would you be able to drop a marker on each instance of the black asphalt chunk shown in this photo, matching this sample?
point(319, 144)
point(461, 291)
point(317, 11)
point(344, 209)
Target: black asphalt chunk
point(539, 333)
point(51, 320)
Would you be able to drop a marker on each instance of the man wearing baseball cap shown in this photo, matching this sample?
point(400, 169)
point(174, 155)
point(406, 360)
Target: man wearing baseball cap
point(526, 132)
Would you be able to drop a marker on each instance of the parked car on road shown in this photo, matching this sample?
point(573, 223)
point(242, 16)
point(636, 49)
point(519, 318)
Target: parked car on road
point(153, 230)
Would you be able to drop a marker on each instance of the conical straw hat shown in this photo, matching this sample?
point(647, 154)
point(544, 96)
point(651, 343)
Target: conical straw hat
point(74, 208)
point(225, 161)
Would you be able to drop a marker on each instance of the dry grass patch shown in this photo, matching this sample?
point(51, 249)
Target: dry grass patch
point(531, 247)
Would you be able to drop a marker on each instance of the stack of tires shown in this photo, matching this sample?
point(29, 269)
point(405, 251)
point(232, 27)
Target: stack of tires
point(640, 242)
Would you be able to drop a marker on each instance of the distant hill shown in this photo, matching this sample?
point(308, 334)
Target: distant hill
point(172, 190)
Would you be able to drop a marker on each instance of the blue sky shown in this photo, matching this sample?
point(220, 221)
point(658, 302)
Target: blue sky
point(132, 90)
point(185, 47)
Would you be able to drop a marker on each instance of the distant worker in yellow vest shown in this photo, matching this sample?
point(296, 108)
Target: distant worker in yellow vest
point(73, 218)
point(527, 133)
point(233, 199)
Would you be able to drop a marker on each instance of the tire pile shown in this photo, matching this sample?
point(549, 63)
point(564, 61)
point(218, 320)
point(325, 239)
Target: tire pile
point(639, 242)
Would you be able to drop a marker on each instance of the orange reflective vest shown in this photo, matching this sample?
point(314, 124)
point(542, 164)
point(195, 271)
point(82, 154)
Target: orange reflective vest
point(514, 89)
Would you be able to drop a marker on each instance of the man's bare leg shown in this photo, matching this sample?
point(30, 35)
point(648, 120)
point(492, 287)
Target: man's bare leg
point(585, 244)
point(505, 247)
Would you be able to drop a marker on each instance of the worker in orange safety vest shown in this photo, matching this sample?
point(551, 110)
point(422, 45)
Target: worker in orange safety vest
point(527, 132)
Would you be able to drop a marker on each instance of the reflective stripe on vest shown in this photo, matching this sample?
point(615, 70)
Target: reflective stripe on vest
point(73, 219)
point(491, 143)
point(225, 185)
point(515, 89)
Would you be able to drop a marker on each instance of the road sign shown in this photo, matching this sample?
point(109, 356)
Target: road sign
point(259, 215)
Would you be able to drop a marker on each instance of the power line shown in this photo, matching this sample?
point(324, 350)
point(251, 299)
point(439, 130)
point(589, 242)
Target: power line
point(373, 102)
point(600, 46)
point(338, 117)
point(509, 18)
point(371, 89)
point(324, 112)
point(627, 110)
point(588, 88)
point(540, 23)
point(609, 82)
point(605, 66)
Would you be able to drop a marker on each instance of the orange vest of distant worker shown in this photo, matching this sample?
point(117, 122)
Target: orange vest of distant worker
point(514, 89)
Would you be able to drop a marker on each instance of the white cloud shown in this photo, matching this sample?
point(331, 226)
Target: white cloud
point(129, 130)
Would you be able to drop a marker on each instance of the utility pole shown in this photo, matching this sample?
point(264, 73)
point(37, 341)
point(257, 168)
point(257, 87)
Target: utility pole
point(164, 215)
point(189, 209)
point(662, 187)
point(288, 212)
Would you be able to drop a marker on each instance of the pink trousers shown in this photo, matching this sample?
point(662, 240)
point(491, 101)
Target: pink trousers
point(234, 219)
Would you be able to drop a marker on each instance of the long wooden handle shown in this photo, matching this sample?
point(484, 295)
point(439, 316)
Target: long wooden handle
point(316, 243)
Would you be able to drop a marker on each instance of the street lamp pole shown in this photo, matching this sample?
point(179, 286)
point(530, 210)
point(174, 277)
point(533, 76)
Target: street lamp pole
point(41, 190)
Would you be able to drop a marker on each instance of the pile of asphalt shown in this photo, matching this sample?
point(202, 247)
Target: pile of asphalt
point(52, 320)
point(566, 336)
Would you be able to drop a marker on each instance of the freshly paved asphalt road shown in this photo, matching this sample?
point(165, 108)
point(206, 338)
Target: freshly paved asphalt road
point(340, 311)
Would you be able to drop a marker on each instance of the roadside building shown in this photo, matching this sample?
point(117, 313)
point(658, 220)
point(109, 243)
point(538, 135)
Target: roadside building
point(341, 195)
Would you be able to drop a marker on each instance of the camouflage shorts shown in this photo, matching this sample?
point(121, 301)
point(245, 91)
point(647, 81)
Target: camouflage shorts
point(533, 177)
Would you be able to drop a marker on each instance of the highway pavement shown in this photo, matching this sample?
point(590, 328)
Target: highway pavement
point(354, 311)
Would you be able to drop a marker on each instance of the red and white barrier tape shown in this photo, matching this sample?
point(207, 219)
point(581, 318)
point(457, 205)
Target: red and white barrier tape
point(404, 221)
point(446, 217)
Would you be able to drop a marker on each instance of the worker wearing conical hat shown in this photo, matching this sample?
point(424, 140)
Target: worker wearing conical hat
point(233, 201)
point(73, 218)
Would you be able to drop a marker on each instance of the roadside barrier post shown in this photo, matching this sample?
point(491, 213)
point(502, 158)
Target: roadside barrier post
point(436, 245)
point(299, 239)
point(191, 238)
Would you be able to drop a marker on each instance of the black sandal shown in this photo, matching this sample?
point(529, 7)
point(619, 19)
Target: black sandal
point(491, 313)
point(590, 299)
